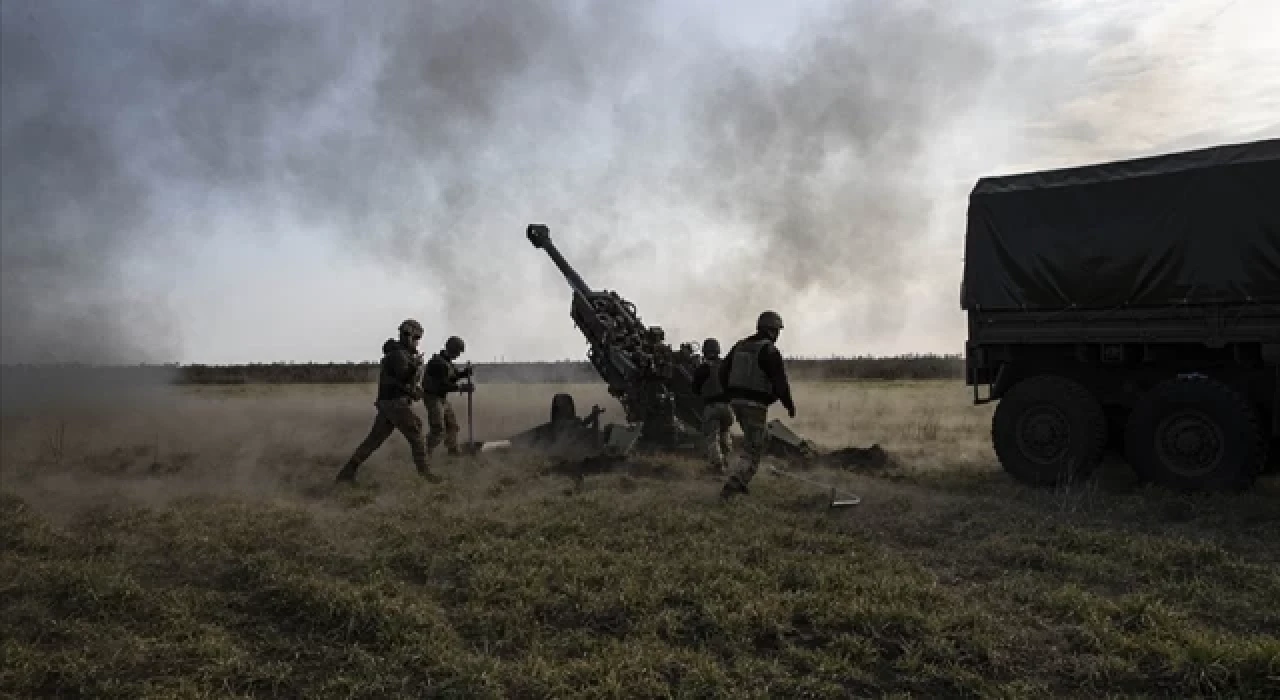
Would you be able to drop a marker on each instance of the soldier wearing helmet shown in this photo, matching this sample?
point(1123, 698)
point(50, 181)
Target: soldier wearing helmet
point(399, 385)
point(441, 380)
point(754, 377)
point(717, 417)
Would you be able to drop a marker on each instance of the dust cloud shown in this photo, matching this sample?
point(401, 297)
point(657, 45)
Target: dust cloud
point(254, 444)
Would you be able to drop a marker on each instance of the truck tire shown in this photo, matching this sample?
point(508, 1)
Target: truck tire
point(1195, 434)
point(1049, 431)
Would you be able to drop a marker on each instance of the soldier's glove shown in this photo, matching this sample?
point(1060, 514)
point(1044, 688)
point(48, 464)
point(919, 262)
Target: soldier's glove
point(467, 388)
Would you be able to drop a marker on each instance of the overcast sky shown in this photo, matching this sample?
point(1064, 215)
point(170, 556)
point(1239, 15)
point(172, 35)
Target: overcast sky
point(285, 181)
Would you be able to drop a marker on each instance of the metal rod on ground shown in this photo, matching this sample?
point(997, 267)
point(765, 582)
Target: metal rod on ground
point(851, 500)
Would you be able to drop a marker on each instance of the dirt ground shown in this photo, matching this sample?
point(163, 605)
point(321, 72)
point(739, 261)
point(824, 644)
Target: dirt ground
point(190, 543)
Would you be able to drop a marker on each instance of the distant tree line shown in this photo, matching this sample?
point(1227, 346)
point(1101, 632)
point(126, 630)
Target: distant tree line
point(561, 372)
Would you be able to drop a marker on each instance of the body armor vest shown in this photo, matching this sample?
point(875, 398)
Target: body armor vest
point(433, 385)
point(745, 373)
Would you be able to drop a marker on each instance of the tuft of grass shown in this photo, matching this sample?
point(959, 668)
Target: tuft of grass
point(242, 571)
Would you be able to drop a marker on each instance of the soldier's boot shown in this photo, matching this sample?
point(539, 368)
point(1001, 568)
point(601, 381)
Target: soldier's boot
point(731, 488)
point(422, 461)
point(737, 482)
point(734, 486)
point(347, 474)
point(378, 433)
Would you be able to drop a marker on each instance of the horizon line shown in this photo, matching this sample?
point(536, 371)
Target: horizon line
point(494, 361)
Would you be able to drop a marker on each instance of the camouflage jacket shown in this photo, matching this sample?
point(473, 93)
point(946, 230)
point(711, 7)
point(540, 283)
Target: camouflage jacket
point(442, 376)
point(400, 372)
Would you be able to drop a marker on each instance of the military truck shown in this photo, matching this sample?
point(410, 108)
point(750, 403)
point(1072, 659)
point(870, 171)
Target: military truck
point(1132, 308)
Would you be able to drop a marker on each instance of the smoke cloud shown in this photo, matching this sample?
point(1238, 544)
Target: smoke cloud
point(705, 172)
point(821, 156)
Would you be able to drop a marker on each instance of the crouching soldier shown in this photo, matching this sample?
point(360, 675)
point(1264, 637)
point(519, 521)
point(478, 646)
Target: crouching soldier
point(754, 377)
point(442, 379)
point(399, 385)
point(717, 417)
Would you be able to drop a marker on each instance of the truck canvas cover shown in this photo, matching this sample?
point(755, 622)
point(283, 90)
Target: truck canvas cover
point(1184, 228)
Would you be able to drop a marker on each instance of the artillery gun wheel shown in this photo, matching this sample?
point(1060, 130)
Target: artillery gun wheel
point(562, 408)
point(1195, 434)
point(1049, 431)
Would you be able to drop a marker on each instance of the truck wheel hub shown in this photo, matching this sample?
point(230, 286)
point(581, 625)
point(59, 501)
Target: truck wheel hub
point(1189, 443)
point(1043, 434)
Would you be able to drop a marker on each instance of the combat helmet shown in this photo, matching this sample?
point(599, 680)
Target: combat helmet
point(710, 347)
point(769, 321)
point(411, 327)
point(454, 345)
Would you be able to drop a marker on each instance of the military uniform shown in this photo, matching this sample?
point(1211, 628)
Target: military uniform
point(717, 417)
point(399, 385)
point(442, 378)
point(755, 377)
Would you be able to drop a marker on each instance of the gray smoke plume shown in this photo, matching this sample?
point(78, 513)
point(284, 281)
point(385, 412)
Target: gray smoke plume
point(392, 125)
point(706, 173)
point(70, 211)
point(822, 154)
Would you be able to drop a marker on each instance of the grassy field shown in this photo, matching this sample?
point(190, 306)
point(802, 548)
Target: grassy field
point(190, 543)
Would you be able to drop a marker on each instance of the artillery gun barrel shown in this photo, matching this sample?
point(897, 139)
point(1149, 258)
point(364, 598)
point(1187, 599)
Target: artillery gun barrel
point(540, 236)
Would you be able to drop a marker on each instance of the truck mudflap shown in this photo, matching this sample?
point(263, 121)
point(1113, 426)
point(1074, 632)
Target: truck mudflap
point(999, 384)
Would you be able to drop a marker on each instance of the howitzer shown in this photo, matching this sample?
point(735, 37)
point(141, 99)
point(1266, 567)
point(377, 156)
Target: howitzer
point(653, 382)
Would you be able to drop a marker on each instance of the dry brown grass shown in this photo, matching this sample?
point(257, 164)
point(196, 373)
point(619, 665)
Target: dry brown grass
point(192, 545)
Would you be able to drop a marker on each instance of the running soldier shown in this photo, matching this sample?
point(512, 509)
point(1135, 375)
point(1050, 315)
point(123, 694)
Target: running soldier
point(717, 417)
point(755, 377)
point(399, 385)
point(442, 379)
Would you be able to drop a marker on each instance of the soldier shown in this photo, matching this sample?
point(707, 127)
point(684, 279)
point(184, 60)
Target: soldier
point(442, 379)
point(399, 385)
point(717, 417)
point(755, 377)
